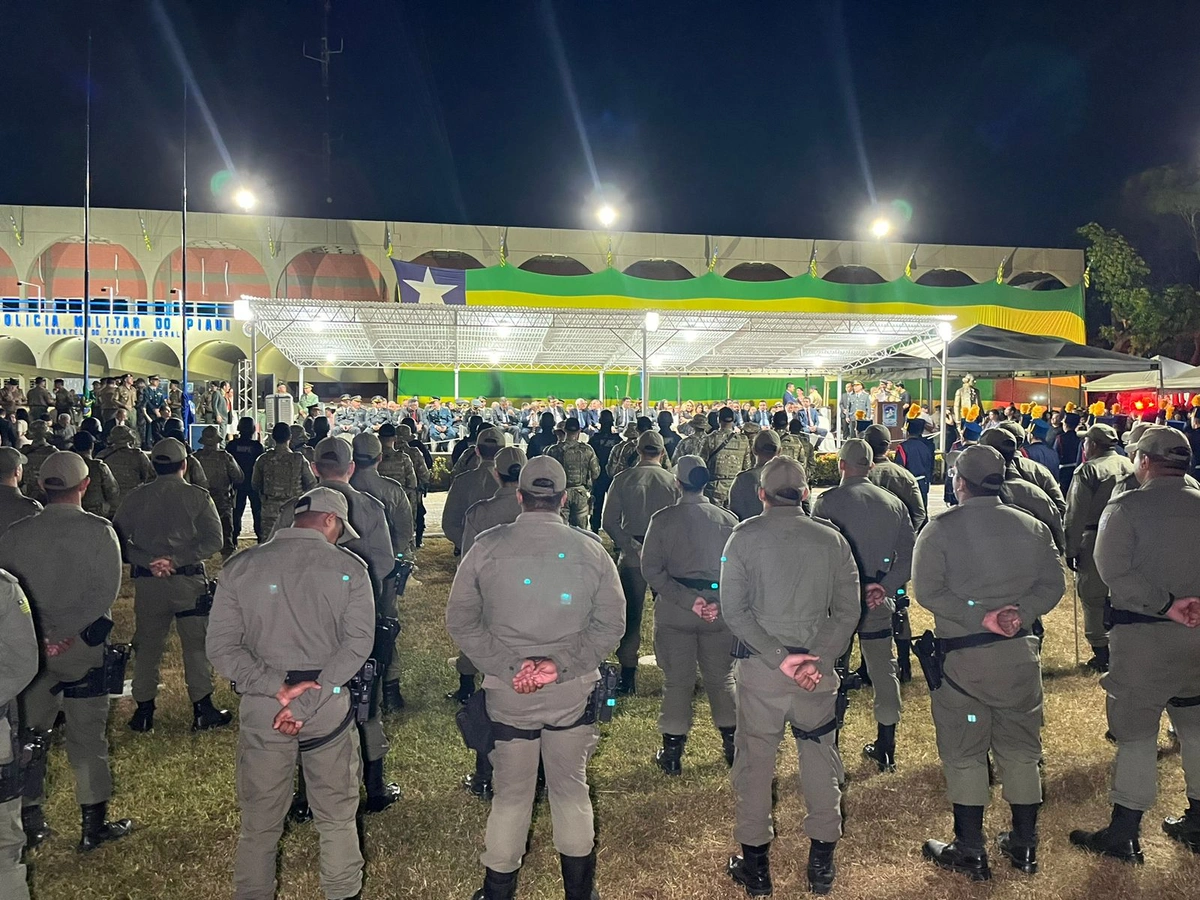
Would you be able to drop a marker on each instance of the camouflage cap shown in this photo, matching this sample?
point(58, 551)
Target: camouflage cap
point(122, 436)
point(297, 433)
point(403, 432)
point(699, 420)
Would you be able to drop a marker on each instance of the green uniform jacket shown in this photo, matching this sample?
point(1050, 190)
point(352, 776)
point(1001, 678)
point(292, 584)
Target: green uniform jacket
point(224, 475)
point(501, 508)
point(19, 651)
point(1027, 496)
point(878, 527)
point(743, 496)
point(536, 588)
point(788, 581)
point(65, 598)
point(392, 495)
point(15, 506)
point(1092, 487)
point(894, 477)
point(468, 488)
point(168, 518)
point(1038, 474)
point(103, 493)
point(129, 466)
point(634, 496)
point(685, 541)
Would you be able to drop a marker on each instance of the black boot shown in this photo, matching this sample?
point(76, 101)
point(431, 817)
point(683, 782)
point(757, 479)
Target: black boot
point(628, 685)
point(97, 830)
point(206, 716)
point(1020, 844)
point(479, 782)
point(821, 870)
point(964, 854)
point(727, 744)
point(579, 877)
point(1099, 660)
point(466, 687)
point(1185, 828)
point(143, 717)
point(752, 870)
point(883, 750)
point(670, 757)
point(904, 661)
point(393, 700)
point(497, 886)
point(300, 812)
point(1119, 840)
point(379, 795)
point(33, 821)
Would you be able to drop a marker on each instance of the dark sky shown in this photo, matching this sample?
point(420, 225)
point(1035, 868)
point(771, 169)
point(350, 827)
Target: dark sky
point(1000, 123)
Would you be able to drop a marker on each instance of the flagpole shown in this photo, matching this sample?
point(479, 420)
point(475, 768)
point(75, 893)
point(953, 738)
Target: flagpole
point(184, 413)
point(87, 226)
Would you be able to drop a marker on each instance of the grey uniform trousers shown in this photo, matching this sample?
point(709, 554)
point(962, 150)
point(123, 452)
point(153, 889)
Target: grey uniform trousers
point(565, 755)
point(12, 842)
point(1151, 665)
point(155, 603)
point(1000, 711)
point(634, 587)
point(878, 654)
point(87, 720)
point(767, 702)
point(1092, 592)
point(266, 768)
point(682, 640)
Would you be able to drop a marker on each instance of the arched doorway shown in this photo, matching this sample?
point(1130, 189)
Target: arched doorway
point(65, 357)
point(659, 270)
point(215, 361)
point(217, 273)
point(146, 357)
point(114, 271)
point(337, 274)
point(853, 275)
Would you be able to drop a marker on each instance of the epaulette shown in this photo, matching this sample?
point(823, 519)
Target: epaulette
point(8, 576)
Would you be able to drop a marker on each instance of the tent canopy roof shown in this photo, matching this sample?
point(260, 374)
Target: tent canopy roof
point(368, 335)
point(987, 350)
point(1139, 381)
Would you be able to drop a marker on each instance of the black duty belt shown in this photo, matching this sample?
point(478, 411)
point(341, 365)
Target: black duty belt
point(1180, 702)
point(184, 571)
point(880, 635)
point(817, 733)
point(698, 584)
point(949, 645)
point(299, 676)
point(1128, 617)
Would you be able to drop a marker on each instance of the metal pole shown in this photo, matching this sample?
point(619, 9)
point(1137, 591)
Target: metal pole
point(603, 402)
point(183, 321)
point(645, 376)
point(456, 398)
point(837, 410)
point(254, 372)
point(678, 389)
point(942, 412)
point(1049, 392)
point(300, 388)
point(87, 228)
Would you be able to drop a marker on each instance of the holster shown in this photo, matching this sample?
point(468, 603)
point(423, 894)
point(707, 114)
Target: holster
point(386, 630)
point(116, 658)
point(931, 658)
point(361, 691)
point(474, 724)
point(401, 572)
point(740, 649)
point(203, 605)
point(603, 700)
point(95, 634)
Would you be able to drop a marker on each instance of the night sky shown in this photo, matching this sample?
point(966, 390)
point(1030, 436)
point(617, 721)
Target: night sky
point(1000, 123)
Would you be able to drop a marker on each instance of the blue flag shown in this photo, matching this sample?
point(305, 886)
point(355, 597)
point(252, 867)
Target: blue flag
point(427, 284)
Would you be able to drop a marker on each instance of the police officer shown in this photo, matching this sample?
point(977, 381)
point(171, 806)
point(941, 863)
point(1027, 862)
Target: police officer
point(280, 476)
point(397, 464)
point(471, 486)
point(193, 473)
point(603, 442)
point(790, 594)
point(73, 605)
point(1016, 491)
point(19, 652)
point(293, 621)
point(418, 453)
point(692, 442)
point(39, 399)
point(335, 466)
point(225, 478)
point(582, 466)
point(789, 444)
point(1155, 639)
point(915, 453)
point(1032, 472)
point(1091, 488)
point(991, 696)
point(880, 533)
point(725, 454)
point(537, 606)
point(14, 505)
point(624, 454)
point(103, 495)
point(366, 478)
point(129, 464)
point(168, 528)
point(893, 477)
point(245, 449)
point(743, 496)
point(635, 495)
point(35, 453)
point(681, 561)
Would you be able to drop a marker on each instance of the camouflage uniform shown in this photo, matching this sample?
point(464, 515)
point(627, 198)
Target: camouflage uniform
point(582, 467)
point(225, 476)
point(35, 454)
point(726, 453)
point(130, 467)
point(280, 476)
point(103, 494)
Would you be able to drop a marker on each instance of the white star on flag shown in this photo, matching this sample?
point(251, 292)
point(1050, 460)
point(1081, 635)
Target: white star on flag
point(428, 290)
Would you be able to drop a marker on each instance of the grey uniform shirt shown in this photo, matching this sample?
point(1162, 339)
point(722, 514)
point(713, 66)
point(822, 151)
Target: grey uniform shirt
point(66, 598)
point(743, 496)
point(499, 509)
point(788, 581)
point(15, 506)
point(294, 603)
point(368, 518)
point(685, 541)
point(468, 488)
point(894, 477)
point(1091, 489)
point(1039, 475)
point(392, 495)
point(1026, 495)
point(634, 496)
point(168, 518)
point(19, 651)
point(536, 588)
point(878, 527)
point(1142, 538)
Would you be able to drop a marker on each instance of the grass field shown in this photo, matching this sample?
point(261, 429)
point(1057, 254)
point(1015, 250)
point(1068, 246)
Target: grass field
point(658, 838)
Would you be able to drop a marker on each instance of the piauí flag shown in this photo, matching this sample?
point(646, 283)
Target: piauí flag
point(911, 264)
point(812, 261)
point(428, 284)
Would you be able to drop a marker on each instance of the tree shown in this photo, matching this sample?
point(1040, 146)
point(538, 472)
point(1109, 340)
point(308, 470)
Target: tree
point(1172, 190)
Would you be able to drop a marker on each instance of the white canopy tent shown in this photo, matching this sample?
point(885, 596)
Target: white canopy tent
point(1140, 381)
point(313, 333)
point(1187, 380)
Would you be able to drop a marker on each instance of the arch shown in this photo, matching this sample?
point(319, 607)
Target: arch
point(447, 259)
point(60, 268)
point(336, 274)
point(215, 360)
point(854, 275)
point(659, 270)
point(272, 362)
point(15, 352)
point(1036, 281)
point(66, 356)
point(8, 277)
point(756, 271)
point(555, 264)
point(216, 274)
point(945, 278)
point(147, 356)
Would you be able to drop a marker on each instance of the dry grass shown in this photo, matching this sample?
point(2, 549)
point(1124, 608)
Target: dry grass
point(661, 839)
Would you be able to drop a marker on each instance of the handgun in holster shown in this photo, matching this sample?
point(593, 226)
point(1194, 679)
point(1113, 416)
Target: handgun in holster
point(602, 702)
point(204, 603)
point(361, 691)
point(931, 658)
point(475, 725)
point(116, 658)
point(387, 628)
point(401, 572)
point(740, 649)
